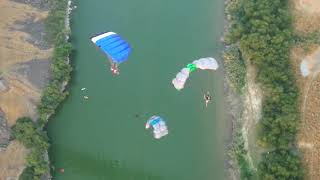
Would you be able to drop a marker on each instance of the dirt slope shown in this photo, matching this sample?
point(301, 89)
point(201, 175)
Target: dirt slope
point(20, 43)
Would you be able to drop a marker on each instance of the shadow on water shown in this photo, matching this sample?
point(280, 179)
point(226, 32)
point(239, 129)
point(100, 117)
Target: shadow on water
point(85, 165)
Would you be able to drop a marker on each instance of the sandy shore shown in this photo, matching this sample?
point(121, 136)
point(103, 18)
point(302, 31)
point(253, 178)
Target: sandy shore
point(24, 70)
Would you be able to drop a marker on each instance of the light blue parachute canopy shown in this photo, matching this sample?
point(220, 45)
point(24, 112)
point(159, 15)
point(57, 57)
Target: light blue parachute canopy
point(159, 126)
point(113, 46)
point(155, 121)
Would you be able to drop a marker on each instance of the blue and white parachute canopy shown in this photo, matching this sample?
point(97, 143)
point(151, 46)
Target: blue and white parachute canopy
point(113, 46)
point(159, 126)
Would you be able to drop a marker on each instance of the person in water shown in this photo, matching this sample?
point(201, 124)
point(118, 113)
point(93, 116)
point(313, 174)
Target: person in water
point(207, 97)
point(114, 69)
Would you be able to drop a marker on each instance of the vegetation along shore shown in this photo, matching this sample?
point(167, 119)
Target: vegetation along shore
point(31, 132)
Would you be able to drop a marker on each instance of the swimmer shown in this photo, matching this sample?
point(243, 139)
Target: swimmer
point(85, 97)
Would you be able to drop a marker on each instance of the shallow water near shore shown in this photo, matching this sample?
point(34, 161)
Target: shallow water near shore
point(103, 137)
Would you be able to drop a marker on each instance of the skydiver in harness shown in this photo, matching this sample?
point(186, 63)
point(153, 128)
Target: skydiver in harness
point(207, 97)
point(114, 69)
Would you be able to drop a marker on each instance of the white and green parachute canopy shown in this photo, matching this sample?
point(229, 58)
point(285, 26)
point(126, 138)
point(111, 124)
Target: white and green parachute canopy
point(203, 64)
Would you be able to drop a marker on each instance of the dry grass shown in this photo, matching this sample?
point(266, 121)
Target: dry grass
point(306, 15)
point(12, 160)
point(308, 138)
point(307, 19)
point(13, 47)
point(20, 99)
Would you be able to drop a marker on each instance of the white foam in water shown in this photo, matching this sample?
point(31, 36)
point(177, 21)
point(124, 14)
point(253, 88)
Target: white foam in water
point(304, 68)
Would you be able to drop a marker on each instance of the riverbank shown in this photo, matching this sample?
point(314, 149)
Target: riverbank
point(24, 71)
point(243, 97)
point(57, 27)
point(52, 29)
point(270, 118)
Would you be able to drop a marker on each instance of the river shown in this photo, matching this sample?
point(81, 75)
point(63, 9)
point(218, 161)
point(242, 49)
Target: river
point(102, 138)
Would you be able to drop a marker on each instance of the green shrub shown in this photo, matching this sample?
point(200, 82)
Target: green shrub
point(36, 161)
point(27, 174)
point(55, 21)
point(240, 154)
point(235, 67)
point(25, 131)
point(280, 164)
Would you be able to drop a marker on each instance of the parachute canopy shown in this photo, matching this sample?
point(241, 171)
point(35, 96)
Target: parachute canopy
point(113, 46)
point(159, 126)
point(203, 63)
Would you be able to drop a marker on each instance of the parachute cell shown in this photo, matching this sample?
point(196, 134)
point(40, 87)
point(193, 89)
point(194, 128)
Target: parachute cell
point(113, 46)
point(206, 63)
point(203, 64)
point(181, 78)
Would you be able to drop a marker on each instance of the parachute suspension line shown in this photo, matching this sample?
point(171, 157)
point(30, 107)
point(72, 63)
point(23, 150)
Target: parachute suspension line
point(208, 82)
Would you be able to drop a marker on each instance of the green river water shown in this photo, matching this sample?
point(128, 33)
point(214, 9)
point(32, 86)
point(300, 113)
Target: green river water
point(101, 138)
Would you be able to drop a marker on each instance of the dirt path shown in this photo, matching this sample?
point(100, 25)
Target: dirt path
point(251, 115)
